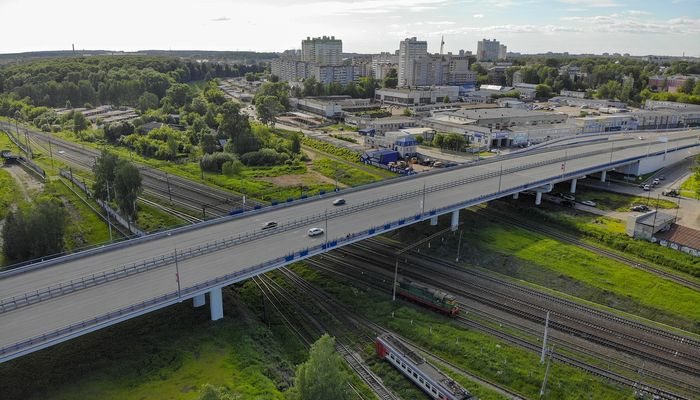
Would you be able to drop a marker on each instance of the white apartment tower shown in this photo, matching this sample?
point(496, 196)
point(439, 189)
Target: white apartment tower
point(322, 50)
point(410, 50)
point(489, 50)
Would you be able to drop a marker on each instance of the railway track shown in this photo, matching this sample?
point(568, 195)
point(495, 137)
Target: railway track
point(188, 194)
point(315, 327)
point(673, 383)
point(514, 220)
point(633, 337)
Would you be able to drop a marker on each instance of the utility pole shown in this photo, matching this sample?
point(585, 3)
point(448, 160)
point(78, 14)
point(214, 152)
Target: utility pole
point(546, 373)
point(396, 275)
point(177, 274)
point(109, 221)
point(167, 181)
point(500, 176)
point(544, 339)
point(422, 203)
point(459, 245)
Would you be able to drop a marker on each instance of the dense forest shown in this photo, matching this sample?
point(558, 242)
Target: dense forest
point(120, 80)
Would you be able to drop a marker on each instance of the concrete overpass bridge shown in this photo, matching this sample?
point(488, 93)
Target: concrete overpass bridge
point(52, 301)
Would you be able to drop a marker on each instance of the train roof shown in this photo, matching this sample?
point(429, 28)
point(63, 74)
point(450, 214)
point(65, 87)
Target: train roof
point(427, 368)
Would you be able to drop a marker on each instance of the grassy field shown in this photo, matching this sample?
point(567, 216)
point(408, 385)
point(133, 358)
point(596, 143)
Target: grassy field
point(569, 269)
point(689, 187)
point(151, 219)
point(621, 202)
point(346, 175)
point(168, 354)
point(474, 351)
point(9, 193)
point(341, 152)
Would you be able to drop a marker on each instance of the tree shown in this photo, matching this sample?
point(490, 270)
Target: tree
point(235, 126)
point(35, 232)
point(295, 146)
point(211, 392)
point(250, 77)
point(127, 188)
point(180, 94)
point(116, 130)
point(391, 80)
point(687, 86)
point(439, 140)
point(232, 168)
point(310, 87)
point(148, 101)
point(322, 376)
point(208, 143)
point(268, 108)
point(543, 91)
point(80, 123)
point(446, 99)
point(104, 170)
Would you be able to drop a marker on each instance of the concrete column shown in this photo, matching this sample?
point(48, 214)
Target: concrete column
point(216, 304)
point(199, 300)
point(573, 186)
point(516, 195)
point(538, 198)
point(455, 220)
point(433, 221)
point(603, 175)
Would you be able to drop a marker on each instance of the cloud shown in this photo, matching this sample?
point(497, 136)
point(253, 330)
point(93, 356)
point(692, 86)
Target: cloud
point(339, 7)
point(221, 19)
point(592, 3)
point(478, 15)
point(617, 23)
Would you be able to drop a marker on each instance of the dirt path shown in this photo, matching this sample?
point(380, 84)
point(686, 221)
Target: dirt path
point(27, 184)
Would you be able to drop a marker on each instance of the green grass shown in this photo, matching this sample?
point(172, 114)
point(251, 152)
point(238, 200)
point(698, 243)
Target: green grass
point(347, 175)
point(341, 127)
point(690, 186)
point(532, 257)
point(168, 354)
point(150, 219)
point(621, 202)
point(9, 193)
point(345, 154)
point(474, 351)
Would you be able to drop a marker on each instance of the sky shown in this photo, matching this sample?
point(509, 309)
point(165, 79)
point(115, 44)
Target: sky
point(638, 27)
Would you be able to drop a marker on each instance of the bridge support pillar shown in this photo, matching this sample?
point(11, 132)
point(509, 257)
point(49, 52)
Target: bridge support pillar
point(573, 186)
point(199, 300)
point(516, 195)
point(455, 220)
point(216, 304)
point(538, 198)
point(434, 221)
point(603, 175)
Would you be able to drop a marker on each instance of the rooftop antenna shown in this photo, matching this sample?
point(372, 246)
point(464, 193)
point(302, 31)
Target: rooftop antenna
point(442, 44)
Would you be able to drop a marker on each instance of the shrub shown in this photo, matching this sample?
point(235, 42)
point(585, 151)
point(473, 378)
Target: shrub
point(214, 162)
point(264, 157)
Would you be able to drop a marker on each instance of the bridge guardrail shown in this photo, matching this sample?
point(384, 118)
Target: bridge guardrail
point(86, 282)
point(224, 280)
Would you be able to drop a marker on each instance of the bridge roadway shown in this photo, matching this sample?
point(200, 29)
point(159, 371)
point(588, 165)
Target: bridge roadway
point(415, 198)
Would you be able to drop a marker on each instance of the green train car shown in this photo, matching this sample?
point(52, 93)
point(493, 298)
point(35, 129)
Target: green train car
point(427, 296)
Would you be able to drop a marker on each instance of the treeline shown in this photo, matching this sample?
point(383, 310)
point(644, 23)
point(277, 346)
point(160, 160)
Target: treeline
point(107, 80)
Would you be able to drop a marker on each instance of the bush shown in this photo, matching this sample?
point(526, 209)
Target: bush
point(264, 157)
point(232, 168)
point(214, 162)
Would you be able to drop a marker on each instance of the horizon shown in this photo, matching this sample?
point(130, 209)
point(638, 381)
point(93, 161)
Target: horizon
point(367, 26)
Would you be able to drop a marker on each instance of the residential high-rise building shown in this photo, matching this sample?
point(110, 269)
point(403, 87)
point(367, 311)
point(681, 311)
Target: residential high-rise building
point(439, 70)
point(489, 50)
point(410, 50)
point(502, 50)
point(382, 63)
point(322, 50)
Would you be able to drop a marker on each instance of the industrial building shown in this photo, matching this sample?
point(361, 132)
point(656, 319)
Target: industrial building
point(415, 96)
point(499, 118)
point(333, 107)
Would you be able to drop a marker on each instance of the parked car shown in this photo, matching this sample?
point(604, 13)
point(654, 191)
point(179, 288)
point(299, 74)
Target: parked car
point(338, 202)
point(269, 225)
point(655, 182)
point(640, 208)
point(589, 203)
point(647, 188)
point(569, 197)
point(438, 164)
point(671, 193)
point(315, 232)
point(661, 177)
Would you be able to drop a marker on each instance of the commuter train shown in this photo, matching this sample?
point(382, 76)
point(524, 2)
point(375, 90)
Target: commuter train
point(433, 298)
point(426, 376)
